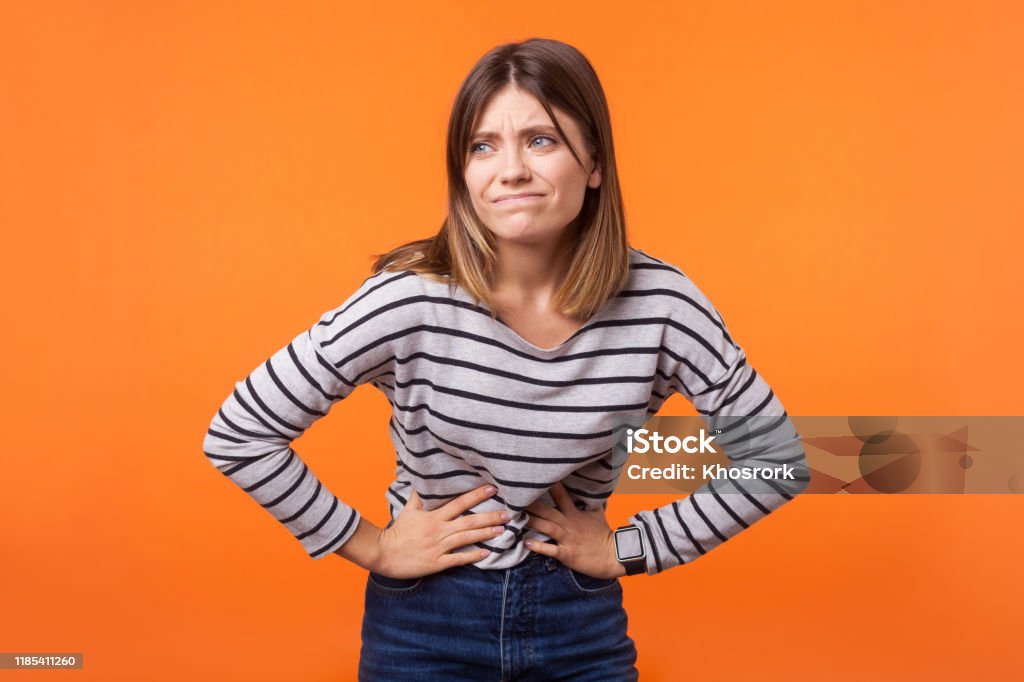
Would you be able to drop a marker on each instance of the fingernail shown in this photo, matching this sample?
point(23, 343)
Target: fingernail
point(490, 489)
point(529, 543)
point(505, 517)
point(498, 529)
point(484, 552)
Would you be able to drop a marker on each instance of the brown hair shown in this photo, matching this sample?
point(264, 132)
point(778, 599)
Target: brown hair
point(463, 251)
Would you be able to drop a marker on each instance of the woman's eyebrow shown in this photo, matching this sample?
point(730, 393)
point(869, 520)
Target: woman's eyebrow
point(530, 130)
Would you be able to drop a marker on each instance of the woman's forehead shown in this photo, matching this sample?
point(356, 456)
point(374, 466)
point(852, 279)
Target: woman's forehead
point(518, 104)
point(520, 108)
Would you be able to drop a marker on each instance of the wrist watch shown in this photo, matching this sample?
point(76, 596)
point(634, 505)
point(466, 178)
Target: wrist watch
point(630, 550)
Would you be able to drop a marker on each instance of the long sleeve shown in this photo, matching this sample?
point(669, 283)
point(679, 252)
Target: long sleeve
point(712, 372)
point(250, 437)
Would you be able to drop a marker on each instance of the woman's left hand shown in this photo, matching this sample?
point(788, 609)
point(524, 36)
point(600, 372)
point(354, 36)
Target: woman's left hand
point(584, 538)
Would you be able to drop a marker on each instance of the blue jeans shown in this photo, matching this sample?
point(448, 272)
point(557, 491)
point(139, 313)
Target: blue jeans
point(539, 620)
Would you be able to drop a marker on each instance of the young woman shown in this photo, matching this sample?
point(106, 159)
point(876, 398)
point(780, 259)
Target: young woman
point(514, 347)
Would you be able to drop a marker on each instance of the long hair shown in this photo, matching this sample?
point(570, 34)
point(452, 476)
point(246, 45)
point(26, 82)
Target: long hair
point(463, 251)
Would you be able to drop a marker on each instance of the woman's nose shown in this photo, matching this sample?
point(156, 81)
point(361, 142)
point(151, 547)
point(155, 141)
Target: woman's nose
point(513, 165)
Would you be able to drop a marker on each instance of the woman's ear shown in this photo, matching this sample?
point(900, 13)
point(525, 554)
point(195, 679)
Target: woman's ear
point(594, 181)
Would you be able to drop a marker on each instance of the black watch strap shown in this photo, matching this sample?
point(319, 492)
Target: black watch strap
point(635, 566)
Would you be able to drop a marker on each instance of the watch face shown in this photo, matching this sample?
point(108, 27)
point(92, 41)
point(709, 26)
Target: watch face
point(628, 544)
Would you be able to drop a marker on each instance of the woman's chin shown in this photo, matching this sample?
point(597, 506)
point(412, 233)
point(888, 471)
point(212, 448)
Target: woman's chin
point(525, 235)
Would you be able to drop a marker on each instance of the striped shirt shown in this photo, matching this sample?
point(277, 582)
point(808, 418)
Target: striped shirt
point(474, 403)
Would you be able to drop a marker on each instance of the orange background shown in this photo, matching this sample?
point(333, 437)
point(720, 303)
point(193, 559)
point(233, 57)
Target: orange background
point(186, 186)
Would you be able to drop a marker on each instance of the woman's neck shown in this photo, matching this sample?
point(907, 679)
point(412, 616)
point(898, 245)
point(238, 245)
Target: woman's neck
point(530, 274)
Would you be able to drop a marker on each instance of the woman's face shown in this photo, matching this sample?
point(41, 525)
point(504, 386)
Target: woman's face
point(516, 150)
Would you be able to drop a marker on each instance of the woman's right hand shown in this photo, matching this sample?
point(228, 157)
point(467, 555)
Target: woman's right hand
point(420, 542)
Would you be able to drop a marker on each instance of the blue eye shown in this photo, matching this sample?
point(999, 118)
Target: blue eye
point(473, 145)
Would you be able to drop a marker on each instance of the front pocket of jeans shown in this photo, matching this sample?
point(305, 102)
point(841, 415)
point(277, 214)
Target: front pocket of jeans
point(388, 585)
point(588, 584)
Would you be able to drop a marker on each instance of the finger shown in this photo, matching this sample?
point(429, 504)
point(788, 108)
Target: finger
point(462, 558)
point(550, 529)
point(414, 500)
point(464, 502)
point(545, 548)
point(468, 537)
point(472, 521)
point(563, 499)
point(546, 511)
